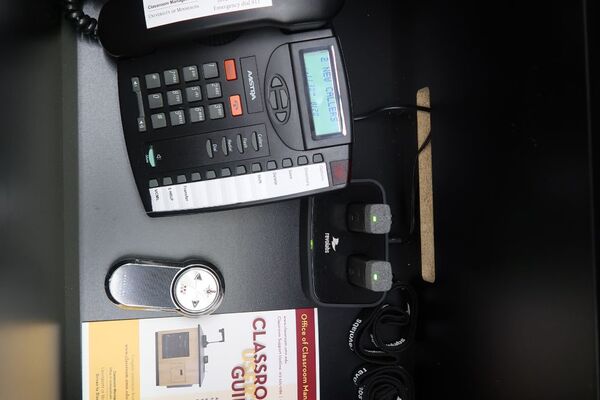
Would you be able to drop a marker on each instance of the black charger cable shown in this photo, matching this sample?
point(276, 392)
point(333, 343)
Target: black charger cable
point(414, 169)
point(378, 335)
point(383, 383)
point(83, 23)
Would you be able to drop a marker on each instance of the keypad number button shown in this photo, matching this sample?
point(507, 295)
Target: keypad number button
point(193, 93)
point(213, 90)
point(155, 101)
point(197, 114)
point(177, 118)
point(216, 111)
point(174, 97)
point(190, 73)
point(210, 70)
point(171, 77)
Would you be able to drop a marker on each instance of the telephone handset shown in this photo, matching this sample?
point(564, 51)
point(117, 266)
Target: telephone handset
point(261, 118)
point(137, 27)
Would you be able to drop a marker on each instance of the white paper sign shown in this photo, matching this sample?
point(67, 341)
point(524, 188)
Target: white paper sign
point(164, 12)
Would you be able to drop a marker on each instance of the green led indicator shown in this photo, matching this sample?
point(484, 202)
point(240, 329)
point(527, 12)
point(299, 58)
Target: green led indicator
point(375, 277)
point(374, 218)
point(312, 244)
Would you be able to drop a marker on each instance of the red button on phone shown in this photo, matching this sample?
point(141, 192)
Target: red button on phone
point(236, 105)
point(230, 72)
point(339, 172)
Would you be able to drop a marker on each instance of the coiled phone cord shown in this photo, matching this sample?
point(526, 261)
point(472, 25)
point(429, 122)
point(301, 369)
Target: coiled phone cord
point(86, 25)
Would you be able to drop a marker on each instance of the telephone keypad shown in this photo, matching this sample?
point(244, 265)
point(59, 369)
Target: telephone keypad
point(180, 97)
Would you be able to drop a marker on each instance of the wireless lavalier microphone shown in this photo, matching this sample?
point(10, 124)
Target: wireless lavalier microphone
point(369, 218)
point(373, 275)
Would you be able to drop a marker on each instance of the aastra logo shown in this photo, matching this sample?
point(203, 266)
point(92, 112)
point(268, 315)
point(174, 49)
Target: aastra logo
point(331, 242)
point(251, 85)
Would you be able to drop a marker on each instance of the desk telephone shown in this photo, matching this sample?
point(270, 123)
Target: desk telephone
point(243, 118)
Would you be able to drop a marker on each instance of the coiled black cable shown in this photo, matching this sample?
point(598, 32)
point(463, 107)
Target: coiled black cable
point(83, 23)
point(390, 382)
point(380, 334)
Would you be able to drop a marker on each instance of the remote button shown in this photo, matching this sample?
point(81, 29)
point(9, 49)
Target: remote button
point(177, 118)
point(224, 148)
point(318, 158)
point(153, 183)
point(158, 121)
point(287, 163)
point(256, 167)
point(190, 73)
point(141, 123)
point(196, 176)
point(181, 179)
point(213, 90)
point(171, 77)
point(273, 100)
point(281, 116)
point(167, 181)
point(155, 101)
point(240, 170)
point(236, 105)
point(276, 82)
point(302, 160)
point(284, 98)
point(255, 141)
point(271, 165)
point(193, 93)
point(216, 111)
point(197, 114)
point(152, 81)
point(210, 70)
point(230, 72)
point(240, 145)
point(174, 97)
point(211, 175)
point(225, 172)
point(209, 148)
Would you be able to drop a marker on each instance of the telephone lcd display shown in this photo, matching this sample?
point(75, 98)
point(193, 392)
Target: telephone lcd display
point(322, 87)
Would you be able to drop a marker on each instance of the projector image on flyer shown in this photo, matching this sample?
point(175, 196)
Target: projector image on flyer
point(271, 355)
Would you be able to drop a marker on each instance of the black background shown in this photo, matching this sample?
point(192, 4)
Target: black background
point(513, 311)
